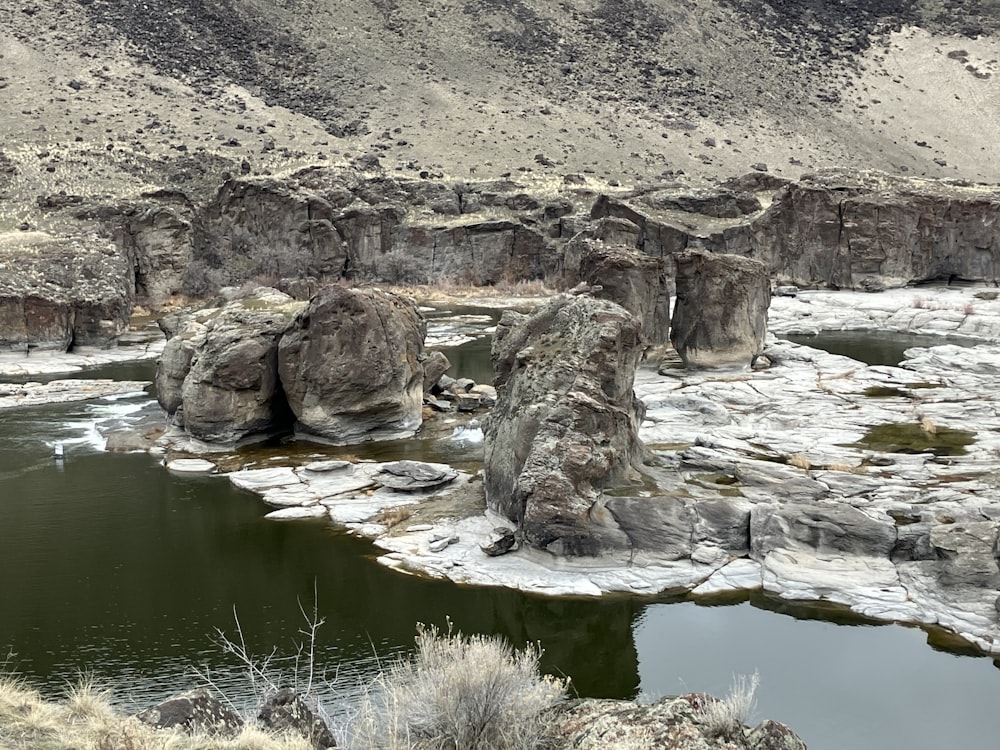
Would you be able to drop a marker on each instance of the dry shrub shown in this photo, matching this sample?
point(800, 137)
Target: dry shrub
point(726, 717)
point(390, 517)
point(799, 461)
point(458, 693)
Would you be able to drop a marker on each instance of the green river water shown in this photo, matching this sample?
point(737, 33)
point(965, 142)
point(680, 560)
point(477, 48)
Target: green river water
point(113, 566)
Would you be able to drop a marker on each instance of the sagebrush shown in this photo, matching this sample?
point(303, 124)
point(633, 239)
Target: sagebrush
point(458, 693)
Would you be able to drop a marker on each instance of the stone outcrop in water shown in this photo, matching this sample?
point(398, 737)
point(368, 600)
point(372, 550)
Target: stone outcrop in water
point(720, 314)
point(61, 292)
point(635, 281)
point(565, 424)
point(223, 370)
point(350, 365)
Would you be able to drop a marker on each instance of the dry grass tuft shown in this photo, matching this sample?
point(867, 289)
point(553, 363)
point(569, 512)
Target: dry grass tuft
point(726, 717)
point(800, 461)
point(86, 720)
point(390, 517)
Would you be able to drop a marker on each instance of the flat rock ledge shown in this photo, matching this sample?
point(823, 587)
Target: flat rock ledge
point(893, 533)
point(367, 497)
point(81, 358)
point(16, 395)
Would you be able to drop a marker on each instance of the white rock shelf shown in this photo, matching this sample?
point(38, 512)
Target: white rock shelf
point(16, 395)
point(790, 433)
point(81, 358)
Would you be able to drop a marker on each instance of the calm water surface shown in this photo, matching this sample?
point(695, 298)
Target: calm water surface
point(872, 347)
point(114, 566)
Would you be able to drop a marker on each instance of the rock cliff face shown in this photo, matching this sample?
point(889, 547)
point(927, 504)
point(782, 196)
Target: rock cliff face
point(847, 230)
point(158, 237)
point(56, 293)
point(836, 229)
point(333, 224)
point(351, 365)
point(565, 424)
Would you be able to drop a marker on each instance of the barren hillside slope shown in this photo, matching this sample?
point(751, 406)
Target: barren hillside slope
point(116, 96)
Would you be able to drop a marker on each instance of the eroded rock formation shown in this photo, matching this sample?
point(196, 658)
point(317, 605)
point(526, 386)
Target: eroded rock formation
point(720, 314)
point(635, 281)
point(565, 424)
point(351, 366)
point(60, 292)
point(223, 370)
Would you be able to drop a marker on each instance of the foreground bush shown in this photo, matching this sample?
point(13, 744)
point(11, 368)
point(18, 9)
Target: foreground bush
point(454, 693)
point(85, 720)
point(458, 693)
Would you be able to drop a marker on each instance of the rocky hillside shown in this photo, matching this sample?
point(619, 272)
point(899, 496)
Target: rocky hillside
point(116, 95)
point(209, 141)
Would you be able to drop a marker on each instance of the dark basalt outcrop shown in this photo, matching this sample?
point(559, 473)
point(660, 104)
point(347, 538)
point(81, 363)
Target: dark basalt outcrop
point(223, 370)
point(836, 229)
point(720, 314)
point(565, 424)
point(56, 293)
point(350, 365)
point(345, 367)
point(635, 281)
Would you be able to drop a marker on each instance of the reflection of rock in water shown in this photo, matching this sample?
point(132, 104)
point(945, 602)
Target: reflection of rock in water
point(468, 434)
point(590, 640)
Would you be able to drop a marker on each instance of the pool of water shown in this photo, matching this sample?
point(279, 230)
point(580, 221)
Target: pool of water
point(872, 347)
point(117, 568)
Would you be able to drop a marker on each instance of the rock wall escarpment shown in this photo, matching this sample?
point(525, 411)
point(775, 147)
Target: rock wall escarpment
point(845, 230)
point(57, 293)
point(350, 364)
point(720, 314)
point(565, 424)
point(835, 229)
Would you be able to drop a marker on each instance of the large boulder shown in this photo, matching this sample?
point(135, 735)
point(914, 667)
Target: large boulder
point(635, 281)
point(720, 314)
point(351, 366)
point(61, 292)
point(565, 424)
point(286, 712)
point(226, 362)
point(194, 712)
